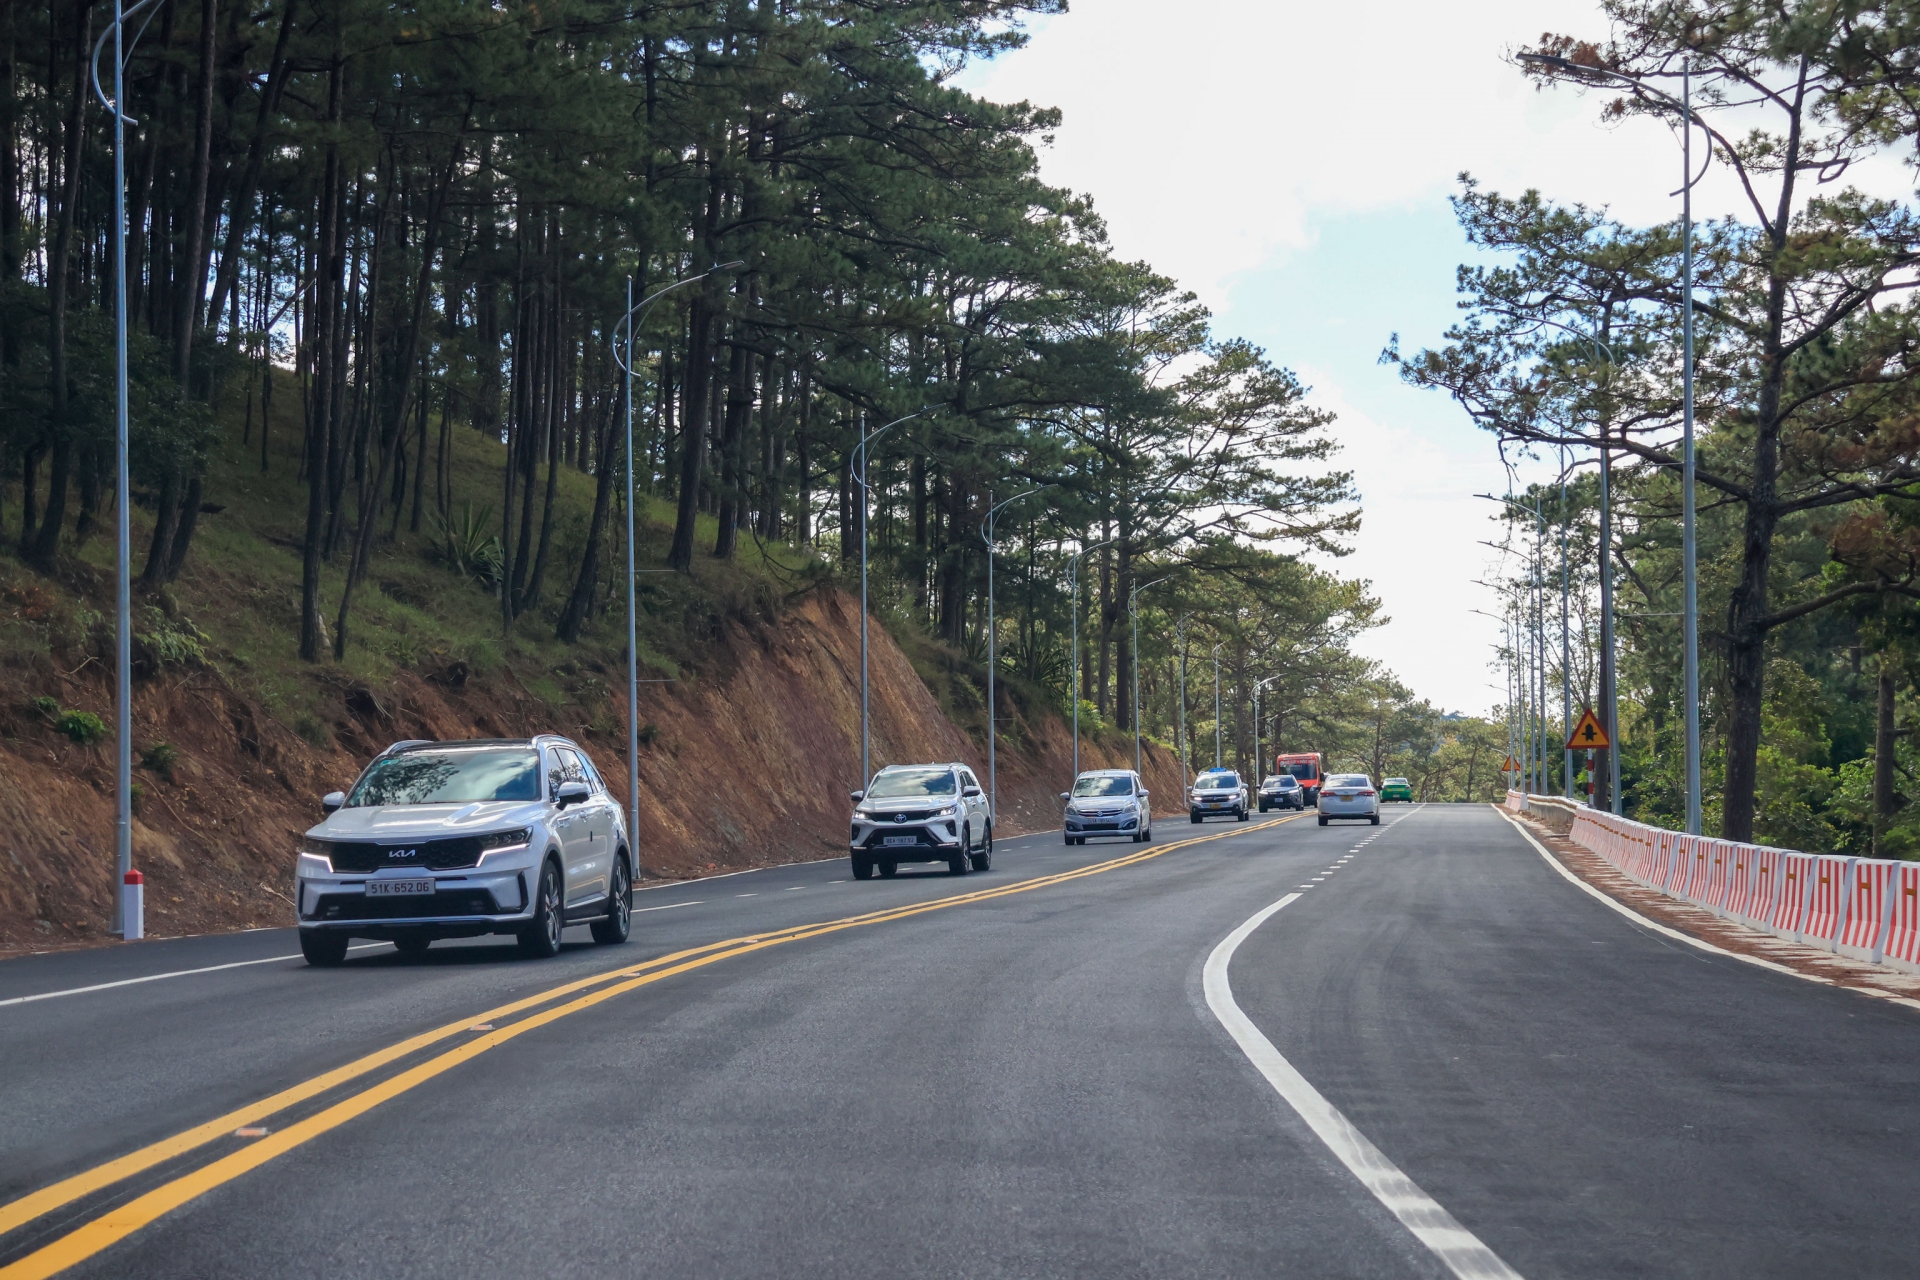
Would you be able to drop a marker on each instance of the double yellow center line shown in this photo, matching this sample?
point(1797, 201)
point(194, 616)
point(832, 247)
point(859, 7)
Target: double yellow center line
point(123, 1220)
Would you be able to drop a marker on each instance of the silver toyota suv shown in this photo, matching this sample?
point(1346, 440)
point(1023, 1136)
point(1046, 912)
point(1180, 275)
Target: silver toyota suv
point(921, 813)
point(457, 839)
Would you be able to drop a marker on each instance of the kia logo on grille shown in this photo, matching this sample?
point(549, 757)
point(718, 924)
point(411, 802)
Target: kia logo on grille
point(402, 853)
point(899, 817)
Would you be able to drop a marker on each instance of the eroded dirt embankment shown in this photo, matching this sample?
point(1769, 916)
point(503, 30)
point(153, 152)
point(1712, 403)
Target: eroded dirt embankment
point(748, 760)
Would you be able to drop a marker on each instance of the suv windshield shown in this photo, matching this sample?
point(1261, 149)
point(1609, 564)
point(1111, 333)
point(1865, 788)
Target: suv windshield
point(1282, 781)
point(1218, 781)
point(450, 776)
point(894, 783)
point(1108, 786)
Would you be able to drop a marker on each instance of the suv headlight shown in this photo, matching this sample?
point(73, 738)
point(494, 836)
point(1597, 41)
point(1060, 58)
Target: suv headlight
point(948, 812)
point(504, 842)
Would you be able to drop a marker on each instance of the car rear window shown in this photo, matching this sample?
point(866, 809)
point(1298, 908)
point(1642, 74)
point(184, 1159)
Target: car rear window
point(1349, 780)
point(458, 776)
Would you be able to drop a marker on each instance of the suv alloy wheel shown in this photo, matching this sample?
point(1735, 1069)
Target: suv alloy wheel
point(960, 863)
point(983, 860)
point(541, 938)
point(619, 922)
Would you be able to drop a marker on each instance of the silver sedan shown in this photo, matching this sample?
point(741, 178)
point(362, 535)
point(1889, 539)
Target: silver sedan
point(1350, 795)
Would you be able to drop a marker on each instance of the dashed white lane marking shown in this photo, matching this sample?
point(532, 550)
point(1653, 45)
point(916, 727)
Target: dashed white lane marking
point(670, 906)
point(746, 895)
point(1463, 1252)
point(795, 888)
point(155, 977)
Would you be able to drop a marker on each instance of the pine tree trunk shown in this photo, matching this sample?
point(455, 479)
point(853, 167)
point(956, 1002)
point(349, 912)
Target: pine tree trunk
point(1885, 800)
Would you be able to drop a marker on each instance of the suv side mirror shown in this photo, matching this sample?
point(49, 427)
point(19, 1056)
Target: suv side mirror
point(572, 793)
point(333, 800)
point(856, 796)
point(970, 792)
point(1063, 797)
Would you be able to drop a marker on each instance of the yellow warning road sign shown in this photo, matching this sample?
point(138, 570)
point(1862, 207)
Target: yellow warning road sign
point(1511, 766)
point(1588, 735)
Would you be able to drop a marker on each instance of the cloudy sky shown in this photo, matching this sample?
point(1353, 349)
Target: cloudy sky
point(1292, 166)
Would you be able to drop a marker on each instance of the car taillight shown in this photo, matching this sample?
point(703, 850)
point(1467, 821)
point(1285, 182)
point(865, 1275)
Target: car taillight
point(1363, 793)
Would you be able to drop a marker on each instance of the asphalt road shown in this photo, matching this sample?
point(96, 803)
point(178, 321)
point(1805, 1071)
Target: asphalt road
point(1026, 1083)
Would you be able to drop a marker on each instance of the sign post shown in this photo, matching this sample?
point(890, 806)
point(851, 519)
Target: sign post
point(1589, 735)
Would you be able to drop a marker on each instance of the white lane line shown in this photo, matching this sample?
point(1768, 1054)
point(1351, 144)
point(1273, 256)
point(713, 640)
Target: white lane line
point(670, 906)
point(155, 977)
point(1463, 1252)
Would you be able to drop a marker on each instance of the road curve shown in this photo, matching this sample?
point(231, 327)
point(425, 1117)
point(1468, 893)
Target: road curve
point(1028, 1082)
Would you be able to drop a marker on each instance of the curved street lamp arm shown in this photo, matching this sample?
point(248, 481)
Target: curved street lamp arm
point(100, 45)
point(626, 322)
point(860, 475)
point(986, 524)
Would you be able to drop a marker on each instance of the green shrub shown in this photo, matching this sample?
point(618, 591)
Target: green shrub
point(83, 727)
point(649, 733)
point(48, 707)
point(160, 758)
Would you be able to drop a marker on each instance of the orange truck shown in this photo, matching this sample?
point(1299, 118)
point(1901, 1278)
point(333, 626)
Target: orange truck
point(1305, 766)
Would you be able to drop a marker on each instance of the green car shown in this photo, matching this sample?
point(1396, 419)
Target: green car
point(1396, 789)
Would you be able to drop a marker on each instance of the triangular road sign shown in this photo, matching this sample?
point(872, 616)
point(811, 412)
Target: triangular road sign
point(1588, 735)
point(1511, 766)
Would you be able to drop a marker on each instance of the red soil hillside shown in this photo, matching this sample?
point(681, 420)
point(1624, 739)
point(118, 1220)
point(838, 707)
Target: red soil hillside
point(749, 757)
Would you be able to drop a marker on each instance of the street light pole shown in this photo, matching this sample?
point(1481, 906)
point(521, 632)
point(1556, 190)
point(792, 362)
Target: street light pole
point(128, 910)
point(860, 478)
point(1690, 606)
point(628, 322)
point(1216, 704)
point(993, 707)
point(1133, 616)
point(1180, 642)
point(1259, 761)
point(1073, 579)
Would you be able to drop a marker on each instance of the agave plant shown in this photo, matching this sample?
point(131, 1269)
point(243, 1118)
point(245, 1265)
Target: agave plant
point(467, 545)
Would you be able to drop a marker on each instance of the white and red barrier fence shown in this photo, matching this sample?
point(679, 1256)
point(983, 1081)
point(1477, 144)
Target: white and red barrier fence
point(1863, 908)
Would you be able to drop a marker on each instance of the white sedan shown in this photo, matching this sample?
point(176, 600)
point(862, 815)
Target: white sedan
point(1349, 795)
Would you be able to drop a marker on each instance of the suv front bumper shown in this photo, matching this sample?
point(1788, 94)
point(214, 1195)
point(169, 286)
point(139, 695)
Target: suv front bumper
point(462, 904)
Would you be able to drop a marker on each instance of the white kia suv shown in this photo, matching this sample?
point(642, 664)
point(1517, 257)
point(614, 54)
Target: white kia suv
point(920, 813)
point(458, 839)
point(1108, 802)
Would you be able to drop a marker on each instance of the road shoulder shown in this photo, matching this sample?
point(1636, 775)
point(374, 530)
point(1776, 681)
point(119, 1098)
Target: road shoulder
point(1702, 927)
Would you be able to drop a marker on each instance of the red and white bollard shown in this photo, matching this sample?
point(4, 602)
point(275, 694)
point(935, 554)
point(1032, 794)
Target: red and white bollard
point(133, 907)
